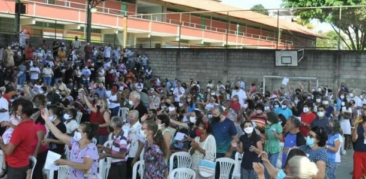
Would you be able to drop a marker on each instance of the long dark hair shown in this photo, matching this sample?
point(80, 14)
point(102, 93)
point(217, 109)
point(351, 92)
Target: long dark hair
point(254, 134)
point(157, 137)
point(336, 127)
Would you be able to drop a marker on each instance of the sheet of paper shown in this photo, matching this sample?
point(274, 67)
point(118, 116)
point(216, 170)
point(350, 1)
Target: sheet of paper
point(179, 136)
point(285, 81)
point(50, 160)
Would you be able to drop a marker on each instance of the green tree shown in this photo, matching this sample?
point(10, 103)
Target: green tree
point(260, 9)
point(329, 42)
point(349, 21)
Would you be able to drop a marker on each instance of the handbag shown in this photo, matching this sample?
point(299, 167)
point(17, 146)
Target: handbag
point(206, 168)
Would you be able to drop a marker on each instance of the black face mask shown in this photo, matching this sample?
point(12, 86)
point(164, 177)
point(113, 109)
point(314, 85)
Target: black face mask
point(167, 104)
point(236, 87)
point(98, 106)
point(216, 118)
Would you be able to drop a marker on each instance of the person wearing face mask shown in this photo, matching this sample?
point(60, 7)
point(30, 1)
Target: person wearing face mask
point(315, 150)
point(242, 96)
point(101, 91)
point(333, 148)
point(251, 145)
point(345, 115)
point(321, 120)
point(329, 110)
point(273, 133)
point(155, 152)
point(284, 110)
point(318, 102)
point(234, 117)
point(191, 103)
point(341, 97)
point(85, 163)
point(234, 103)
point(64, 101)
point(307, 117)
point(353, 96)
point(54, 144)
point(258, 117)
point(163, 122)
point(100, 115)
point(154, 99)
point(224, 131)
point(136, 104)
point(359, 157)
point(114, 100)
point(70, 121)
point(203, 147)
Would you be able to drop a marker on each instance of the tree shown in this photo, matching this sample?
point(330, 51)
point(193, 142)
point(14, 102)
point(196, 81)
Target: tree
point(260, 9)
point(349, 21)
point(330, 42)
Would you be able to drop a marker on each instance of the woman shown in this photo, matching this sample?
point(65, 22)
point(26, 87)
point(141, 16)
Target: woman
point(273, 132)
point(77, 74)
point(203, 147)
point(315, 143)
point(190, 104)
point(155, 152)
point(333, 148)
point(55, 115)
point(259, 117)
point(47, 74)
point(114, 100)
point(70, 121)
point(358, 137)
point(100, 115)
point(250, 144)
point(83, 163)
point(163, 122)
point(345, 114)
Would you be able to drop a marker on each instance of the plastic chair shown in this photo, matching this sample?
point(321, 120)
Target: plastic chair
point(226, 164)
point(140, 167)
point(142, 154)
point(63, 171)
point(183, 160)
point(104, 166)
point(236, 173)
point(123, 113)
point(182, 173)
point(34, 162)
point(78, 117)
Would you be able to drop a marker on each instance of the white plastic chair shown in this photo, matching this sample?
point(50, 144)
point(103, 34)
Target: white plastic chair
point(183, 160)
point(63, 171)
point(34, 162)
point(138, 166)
point(142, 154)
point(104, 166)
point(78, 117)
point(123, 113)
point(94, 140)
point(226, 164)
point(236, 173)
point(182, 173)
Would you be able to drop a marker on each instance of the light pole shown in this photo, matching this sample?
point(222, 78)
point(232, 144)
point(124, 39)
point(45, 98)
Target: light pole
point(91, 5)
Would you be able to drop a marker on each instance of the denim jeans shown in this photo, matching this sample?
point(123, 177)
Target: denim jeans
point(247, 174)
point(114, 111)
point(331, 170)
point(47, 80)
point(56, 80)
point(273, 159)
point(22, 79)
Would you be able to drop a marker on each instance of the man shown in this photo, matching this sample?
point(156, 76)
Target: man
point(88, 50)
point(76, 44)
point(329, 110)
point(352, 96)
point(284, 110)
point(45, 46)
point(136, 104)
point(240, 93)
point(34, 73)
point(224, 131)
point(363, 97)
point(52, 96)
point(178, 92)
point(321, 120)
point(107, 52)
point(86, 75)
point(293, 137)
point(307, 116)
point(154, 99)
point(21, 142)
point(139, 85)
point(118, 151)
point(133, 126)
point(102, 93)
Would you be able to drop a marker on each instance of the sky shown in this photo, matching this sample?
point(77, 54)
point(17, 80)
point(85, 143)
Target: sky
point(272, 4)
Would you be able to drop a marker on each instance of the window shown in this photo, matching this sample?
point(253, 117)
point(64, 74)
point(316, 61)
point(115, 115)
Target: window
point(129, 1)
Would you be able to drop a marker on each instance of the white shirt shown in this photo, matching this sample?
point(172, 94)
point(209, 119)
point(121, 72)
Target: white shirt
point(133, 135)
point(177, 96)
point(107, 52)
point(139, 86)
point(47, 72)
point(71, 126)
point(358, 102)
point(241, 94)
point(144, 60)
point(4, 104)
point(76, 44)
point(34, 73)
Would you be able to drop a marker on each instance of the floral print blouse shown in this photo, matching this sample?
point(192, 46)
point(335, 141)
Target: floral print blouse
point(155, 167)
point(77, 155)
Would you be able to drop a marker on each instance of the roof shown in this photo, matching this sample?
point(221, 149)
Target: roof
point(209, 5)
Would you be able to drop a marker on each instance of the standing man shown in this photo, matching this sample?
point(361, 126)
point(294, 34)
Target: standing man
point(240, 93)
point(88, 50)
point(21, 142)
point(178, 92)
point(76, 44)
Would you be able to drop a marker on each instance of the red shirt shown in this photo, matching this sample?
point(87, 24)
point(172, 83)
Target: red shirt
point(235, 106)
point(97, 118)
point(23, 138)
point(306, 118)
point(39, 127)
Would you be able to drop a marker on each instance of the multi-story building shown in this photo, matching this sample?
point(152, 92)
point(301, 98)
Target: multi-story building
point(158, 23)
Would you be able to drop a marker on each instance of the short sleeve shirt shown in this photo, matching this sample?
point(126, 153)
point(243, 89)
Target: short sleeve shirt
point(316, 155)
point(272, 145)
point(332, 138)
point(249, 157)
point(223, 132)
point(120, 145)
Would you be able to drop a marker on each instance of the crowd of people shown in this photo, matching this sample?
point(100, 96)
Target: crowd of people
point(285, 133)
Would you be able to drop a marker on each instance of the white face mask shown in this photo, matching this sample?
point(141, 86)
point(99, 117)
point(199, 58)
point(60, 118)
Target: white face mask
point(160, 126)
point(143, 134)
point(77, 136)
point(258, 111)
point(67, 116)
point(343, 103)
point(130, 102)
point(248, 130)
point(171, 109)
point(245, 105)
point(318, 100)
point(276, 106)
point(320, 114)
point(52, 118)
point(351, 95)
point(192, 119)
point(180, 104)
point(342, 96)
point(325, 102)
point(305, 110)
point(284, 106)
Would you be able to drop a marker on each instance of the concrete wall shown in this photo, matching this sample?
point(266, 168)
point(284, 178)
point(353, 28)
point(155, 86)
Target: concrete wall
point(330, 67)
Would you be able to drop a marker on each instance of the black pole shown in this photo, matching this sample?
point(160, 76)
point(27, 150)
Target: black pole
point(88, 21)
point(17, 19)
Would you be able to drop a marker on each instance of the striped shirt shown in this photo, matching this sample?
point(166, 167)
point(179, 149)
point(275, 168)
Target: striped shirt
point(120, 145)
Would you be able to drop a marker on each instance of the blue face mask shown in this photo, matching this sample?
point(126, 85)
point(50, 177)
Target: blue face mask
point(310, 141)
point(281, 174)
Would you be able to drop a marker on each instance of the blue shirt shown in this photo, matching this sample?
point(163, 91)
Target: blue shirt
point(360, 146)
point(316, 155)
point(191, 108)
point(332, 138)
point(290, 141)
point(101, 92)
point(339, 104)
point(285, 112)
point(324, 123)
point(329, 111)
point(223, 132)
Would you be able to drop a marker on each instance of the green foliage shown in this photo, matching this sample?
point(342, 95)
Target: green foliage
point(351, 21)
point(260, 9)
point(329, 42)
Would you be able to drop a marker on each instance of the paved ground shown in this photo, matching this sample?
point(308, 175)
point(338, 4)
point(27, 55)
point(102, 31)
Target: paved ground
point(346, 166)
